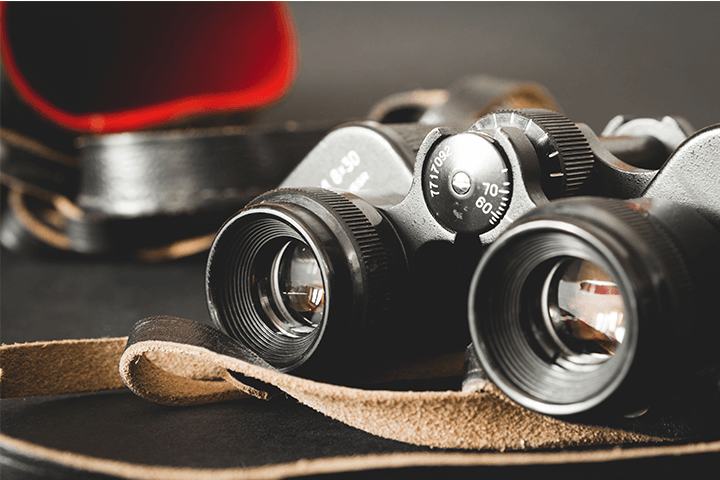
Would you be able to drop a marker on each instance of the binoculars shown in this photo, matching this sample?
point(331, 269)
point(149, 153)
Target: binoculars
point(581, 267)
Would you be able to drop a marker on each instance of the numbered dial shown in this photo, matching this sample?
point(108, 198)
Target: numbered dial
point(467, 183)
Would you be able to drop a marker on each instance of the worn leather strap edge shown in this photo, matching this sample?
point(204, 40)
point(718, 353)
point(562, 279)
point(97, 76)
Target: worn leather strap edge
point(117, 469)
point(484, 419)
point(60, 367)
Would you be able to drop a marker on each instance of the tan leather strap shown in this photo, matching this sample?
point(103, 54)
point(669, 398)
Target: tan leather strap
point(481, 419)
point(347, 464)
point(182, 373)
point(58, 367)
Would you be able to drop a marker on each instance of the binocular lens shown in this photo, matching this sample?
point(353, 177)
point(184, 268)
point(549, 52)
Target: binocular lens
point(266, 286)
point(583, 310)
point(592, 301)
point(292, 292)
point(303, 277)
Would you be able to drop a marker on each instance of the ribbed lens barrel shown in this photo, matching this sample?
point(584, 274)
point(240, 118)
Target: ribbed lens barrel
point(243, 289)
point(588, 301)
point(301, 275)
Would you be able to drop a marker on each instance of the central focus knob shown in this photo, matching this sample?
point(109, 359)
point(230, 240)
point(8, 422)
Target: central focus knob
point(566, 159)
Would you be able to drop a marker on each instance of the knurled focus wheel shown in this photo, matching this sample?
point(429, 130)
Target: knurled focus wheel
point(566, 159)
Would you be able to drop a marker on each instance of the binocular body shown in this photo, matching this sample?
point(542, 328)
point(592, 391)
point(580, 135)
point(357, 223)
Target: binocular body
point(584, 265)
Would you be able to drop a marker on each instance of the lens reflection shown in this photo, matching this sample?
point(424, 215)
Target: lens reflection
point(585, 309)
point(297, 289)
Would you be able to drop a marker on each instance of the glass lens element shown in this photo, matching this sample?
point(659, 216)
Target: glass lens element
point(297, 289)
point(585, 308)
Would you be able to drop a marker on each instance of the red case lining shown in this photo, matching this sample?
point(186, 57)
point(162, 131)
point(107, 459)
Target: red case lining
point(109, 67)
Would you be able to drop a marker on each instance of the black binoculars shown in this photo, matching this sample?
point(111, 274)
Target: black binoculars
point(584, 265)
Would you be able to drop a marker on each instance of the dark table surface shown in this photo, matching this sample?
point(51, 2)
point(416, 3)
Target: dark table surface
point(599, 60)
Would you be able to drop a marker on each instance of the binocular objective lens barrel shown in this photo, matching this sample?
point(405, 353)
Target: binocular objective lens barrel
point(591, 303)
point(303, 276)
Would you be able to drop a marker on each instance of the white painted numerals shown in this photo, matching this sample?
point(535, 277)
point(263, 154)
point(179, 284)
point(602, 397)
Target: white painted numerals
point(487, 201)
point(434, 170)
point(337, 174)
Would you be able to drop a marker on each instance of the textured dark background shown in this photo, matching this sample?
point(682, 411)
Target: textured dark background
point(598, 60)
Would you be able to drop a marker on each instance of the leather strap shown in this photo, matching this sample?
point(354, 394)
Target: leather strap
point(52, 463)
point(180, 362)
point(153, 196)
